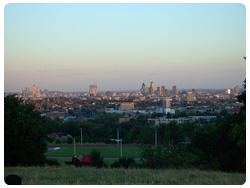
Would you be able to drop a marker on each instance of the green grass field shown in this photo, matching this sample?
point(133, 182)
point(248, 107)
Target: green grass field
point(93, 176)
point(105, 152)
point(108, 153)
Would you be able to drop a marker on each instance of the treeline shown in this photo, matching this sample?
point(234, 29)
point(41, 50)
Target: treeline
point(220, 145)
point(103, 128)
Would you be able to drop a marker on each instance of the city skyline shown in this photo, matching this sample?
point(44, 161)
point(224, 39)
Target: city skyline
point(120, 46)
point(94, 89)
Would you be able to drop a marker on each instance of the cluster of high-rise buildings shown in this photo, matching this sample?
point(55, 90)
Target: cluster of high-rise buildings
point(159, 91)
point(235, 91)
point(34, 92)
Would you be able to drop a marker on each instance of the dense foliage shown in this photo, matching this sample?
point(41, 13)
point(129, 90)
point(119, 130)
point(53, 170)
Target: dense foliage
point(24, 136)
point(220, 145)
point(96, 159)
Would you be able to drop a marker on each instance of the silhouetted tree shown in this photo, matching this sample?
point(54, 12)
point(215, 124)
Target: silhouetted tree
point(24, 136)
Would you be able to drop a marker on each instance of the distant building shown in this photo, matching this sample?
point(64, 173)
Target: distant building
point(146, 91)
point(163, 90)
point(143, 88)
point(174, 90)
point(190, 96)
point(93, 90)
point(229, 91)
point(159, 91)
point(35, 91)
point(236, 90)
point(127, 106)
point(55, 114)
point(151, 88)
point(109, 93)
point(166, 102)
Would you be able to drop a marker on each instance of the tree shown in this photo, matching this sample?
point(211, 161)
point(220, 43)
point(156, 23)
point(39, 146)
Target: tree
point(24, 136)
point(242, 96)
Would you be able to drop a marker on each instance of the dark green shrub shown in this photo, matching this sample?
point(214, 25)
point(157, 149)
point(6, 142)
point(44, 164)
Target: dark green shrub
point(124, 163)
point(69, 140)
point(96, 159)
point(52, 162)
point(50, 140)
point(58, 141)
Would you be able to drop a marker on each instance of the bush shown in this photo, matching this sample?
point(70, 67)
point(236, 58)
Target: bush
point(96, 159)
point(50, 140)
point(124, 163)
point(52, 162)
point(160, 157)
point(58, 141)
point(69, 140)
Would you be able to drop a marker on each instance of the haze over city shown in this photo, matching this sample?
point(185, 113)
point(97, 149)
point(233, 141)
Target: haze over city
point(67, 47)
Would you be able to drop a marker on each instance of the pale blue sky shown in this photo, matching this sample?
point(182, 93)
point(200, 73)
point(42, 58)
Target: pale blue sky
point(118, 46)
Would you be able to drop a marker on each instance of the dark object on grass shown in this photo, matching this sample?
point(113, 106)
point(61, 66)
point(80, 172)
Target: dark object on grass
point(76, 161)
point(124, 163)
point(13, 179)
point(52, 162)
point(96, 159)
point(68, 162)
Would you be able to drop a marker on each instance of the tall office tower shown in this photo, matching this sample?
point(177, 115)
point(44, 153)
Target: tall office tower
point(151, 88)
point(236, 90)
point(93, 90)
point(158, 91)
point(35, 91)
point(146, 90)
point(174, 90)
point(229, 91)
point(143, 88)
point(166, 102)
point(163, 90)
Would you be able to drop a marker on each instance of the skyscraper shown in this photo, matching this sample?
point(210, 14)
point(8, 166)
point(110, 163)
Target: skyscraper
point(229, 91)
point(35, 91)
point(143, 89)
point(236, 90)
point(93, 90)
point(151, 88)
point(163, 90)
point(159, 91)
point(174, 90)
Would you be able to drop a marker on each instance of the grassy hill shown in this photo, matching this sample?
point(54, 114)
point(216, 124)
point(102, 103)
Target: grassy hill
point(82, 176)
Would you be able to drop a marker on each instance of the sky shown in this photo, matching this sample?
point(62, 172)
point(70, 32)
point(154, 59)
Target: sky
point(68, 47)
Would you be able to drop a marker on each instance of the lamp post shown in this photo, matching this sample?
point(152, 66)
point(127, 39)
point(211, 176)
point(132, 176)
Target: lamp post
point(74, 146)
point(155, 136)
point(81, 136)
point(118, 140)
